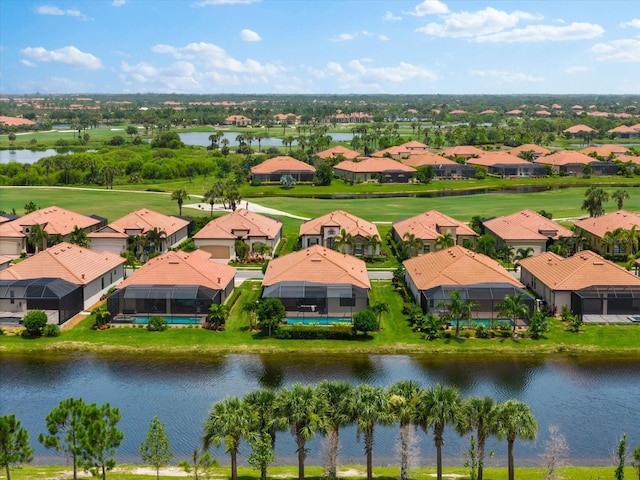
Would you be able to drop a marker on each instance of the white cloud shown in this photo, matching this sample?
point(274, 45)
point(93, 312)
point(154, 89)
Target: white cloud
point(204, 3)
point(346, 37)
point(383, 38)
point(68, 55)
point(576, 69)
point(544, 33)
point(626, 50)
point(634, 23)
point(505, 76)
point(249, 36)
point(400, 73)
point(53, 10)
point(214, 57)
point(390, 17)
point(27, 63)
point(429, 7)
point(471, 24)
point(118, 3)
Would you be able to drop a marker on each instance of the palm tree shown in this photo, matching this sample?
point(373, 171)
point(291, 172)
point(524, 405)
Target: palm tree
point(379, 308)
point(155, 238)
point(337, 414)
point(228, 422)
point(251, 309)
point(438, 407)
point(595, 197)
point(108, 172)
point(372, 242)
point(411, 245)
point(514, 419)
point(513, 307)
point(79, 237)
point(445, 240)
point(370, 406)
point(342, 240)
point(480, 420)
point(37, 237)
point(403, 399)
point(260, 405)
point(620, 196)
point(523, 253)
point(180, 196)
point(456, 309)
point(301, 407)
point(210, 198)
point(218, 314)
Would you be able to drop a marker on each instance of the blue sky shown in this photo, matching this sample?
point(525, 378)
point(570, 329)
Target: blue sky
point(320, 46)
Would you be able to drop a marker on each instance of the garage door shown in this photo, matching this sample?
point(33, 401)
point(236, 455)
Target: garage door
point(217, 251)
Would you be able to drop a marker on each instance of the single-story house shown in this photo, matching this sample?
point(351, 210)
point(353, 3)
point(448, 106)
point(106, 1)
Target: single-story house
point(353, 117)
point(432, 277)
point(606, 151)
point(218, 237)
point(462, 151)
point(536, 150)
point(54, 220)
point(585, 282)
point(624, 131)
point(396, 152)
point(173, 284)
point(507, 165)
point(318, 282)
point(327, 231)
point(114, 236)
point(237, 120)
point(94, 272)
point(429, 226)
point(415, 147)
point(594, 229)
point(272, 169)
point(384, 170)
point(338, 152)
point(576, 131)
point(443, 168)
point(525, 229)
point(572, 162)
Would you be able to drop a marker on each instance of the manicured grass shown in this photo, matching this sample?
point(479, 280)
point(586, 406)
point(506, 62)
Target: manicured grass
point(355, 472)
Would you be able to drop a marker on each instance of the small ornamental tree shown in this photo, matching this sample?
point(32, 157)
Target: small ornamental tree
point(155, 449)
point(365, 321)
point(14, 443)
point(270, 313)
point(34, 322)
point(101, 439)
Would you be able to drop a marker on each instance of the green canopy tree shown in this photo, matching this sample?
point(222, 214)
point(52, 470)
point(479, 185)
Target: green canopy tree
point(155, 449)
point(260, 405)
point(270, 313)
point(514, 419)
point(102, 438)
point(14, 443)
point(79, 237)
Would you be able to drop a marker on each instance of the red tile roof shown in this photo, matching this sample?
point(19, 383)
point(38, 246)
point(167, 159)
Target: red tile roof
point(15, 121)
point(180, 268)
point(319, 265)
point(497, 158)
point(281, 164)
point(426, 226)
point(144, 220)
point(350, 223)
point(418, 159)
point(578, 128)
point(598, 226)
point(456, 266)
point(257, 226)
point(54, 220)
point(374, 165)
point(606, 150)
point(338, 150)
point(565, 157)
point(398, 150)
point(526, 225)
point(584, 269)
point(529, 147)
point(462, 151)
point(66, 261)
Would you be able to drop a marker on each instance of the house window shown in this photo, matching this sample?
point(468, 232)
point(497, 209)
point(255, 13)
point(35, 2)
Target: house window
point(426, 248)
point(359, 249)
point(312, 241)
point(102, 279)
point(347, 301)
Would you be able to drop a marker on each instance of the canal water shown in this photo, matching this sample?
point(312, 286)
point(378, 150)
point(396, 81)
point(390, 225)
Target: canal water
point(592, 401)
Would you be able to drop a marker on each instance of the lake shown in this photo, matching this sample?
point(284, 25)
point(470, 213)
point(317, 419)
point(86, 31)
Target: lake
point(25, 156)
point(201, 139)
point(593, 402)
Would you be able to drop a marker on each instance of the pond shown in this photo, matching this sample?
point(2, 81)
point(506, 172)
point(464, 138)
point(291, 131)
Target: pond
point(593, 402)
point(201, 139)
point(25, 156)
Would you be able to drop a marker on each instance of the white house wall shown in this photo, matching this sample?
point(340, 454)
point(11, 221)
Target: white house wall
point(93, 291)
point(113, 245)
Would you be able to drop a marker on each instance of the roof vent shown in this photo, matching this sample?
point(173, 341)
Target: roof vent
point(174, 263)
point(598, 262)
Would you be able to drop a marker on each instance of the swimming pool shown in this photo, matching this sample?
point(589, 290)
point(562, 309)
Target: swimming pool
point(171, 320)
point(488, 322)
point(318, 321)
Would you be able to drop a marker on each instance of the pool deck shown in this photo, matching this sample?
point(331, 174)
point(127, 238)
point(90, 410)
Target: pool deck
point(610, 319)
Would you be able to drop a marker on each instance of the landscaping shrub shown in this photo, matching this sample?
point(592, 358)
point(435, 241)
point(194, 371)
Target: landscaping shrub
point(157, 324)
point(315, 332)
point(34, 321)
point(51, 330)
point(483, 331)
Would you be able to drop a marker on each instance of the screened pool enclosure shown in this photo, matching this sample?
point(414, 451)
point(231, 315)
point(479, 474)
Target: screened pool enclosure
point(606, 300)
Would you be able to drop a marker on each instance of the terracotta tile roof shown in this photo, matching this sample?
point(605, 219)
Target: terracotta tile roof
point(282, 163)
point(351, 224)
point(4, 259)
point(66, 261)
point(418, 159)
point(578, 128)
point(15, 121)
point(543, 113)
point(397, 150)
point(606, 150)
point(609, 222)
point(529, 147)
point(374, 165)
point(456, 266)
point(180, 268)
point(487, 112)
point(145, 220)
point(526, 225)
point(565, 157)
point(415, 145)
point(426, 226)
point(628, 158)
point(257, 226)
point(317, 264)
point(624, 129)
point(54, 220)
point(462, 151)
point(338, 150)
point(584, 269)
point(456, 112)
point(514, 112)
point(497, 158)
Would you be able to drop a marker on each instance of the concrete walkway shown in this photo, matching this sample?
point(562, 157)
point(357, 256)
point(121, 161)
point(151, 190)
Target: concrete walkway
point(252, 207)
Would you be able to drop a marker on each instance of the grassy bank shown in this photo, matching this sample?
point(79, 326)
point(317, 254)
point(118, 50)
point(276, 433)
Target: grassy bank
point(396, 336)
point(355, 472)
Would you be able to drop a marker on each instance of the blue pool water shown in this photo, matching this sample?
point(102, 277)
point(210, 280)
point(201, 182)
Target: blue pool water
point(487, 322)
point(137, 320)
point(318, 321)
